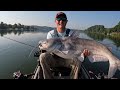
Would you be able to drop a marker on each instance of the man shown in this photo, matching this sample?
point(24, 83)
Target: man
point(48, 60)
point(60, 31)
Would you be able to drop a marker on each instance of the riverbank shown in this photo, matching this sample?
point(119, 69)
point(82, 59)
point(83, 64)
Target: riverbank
point(114, 36)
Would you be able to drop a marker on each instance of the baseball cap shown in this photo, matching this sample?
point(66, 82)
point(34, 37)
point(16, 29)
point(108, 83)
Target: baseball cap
point(61, 15)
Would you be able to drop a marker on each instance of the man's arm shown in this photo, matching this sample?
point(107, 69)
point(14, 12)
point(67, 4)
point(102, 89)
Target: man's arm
point(49, 35)
point(84, 55)
point(86, 52)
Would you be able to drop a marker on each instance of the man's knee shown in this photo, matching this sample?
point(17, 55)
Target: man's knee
point(42, 57)
point(77, 62)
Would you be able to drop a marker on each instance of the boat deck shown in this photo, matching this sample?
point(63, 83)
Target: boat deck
point(61, 73)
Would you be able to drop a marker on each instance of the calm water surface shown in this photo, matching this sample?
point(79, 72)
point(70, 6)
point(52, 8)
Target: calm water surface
point(14, 56)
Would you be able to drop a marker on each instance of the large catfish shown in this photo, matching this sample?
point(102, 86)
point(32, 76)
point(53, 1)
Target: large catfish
point(71, 47)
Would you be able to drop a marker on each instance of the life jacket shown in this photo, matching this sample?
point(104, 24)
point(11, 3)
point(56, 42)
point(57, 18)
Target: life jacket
point(66, 35)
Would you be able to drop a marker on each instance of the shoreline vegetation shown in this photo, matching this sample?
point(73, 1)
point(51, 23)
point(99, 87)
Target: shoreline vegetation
point(16, 27)
point(113, 32)
point(4, 26)
point(20, 28)
point(99, 32)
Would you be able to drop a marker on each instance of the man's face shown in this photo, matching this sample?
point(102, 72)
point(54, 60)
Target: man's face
point(61, 22)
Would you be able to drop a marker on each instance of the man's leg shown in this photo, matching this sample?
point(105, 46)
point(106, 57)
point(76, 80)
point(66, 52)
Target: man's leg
point(74, 64)
point(46, 61)
point(75, 68)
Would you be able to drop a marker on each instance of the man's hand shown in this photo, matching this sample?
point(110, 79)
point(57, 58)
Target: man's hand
point(86, 52)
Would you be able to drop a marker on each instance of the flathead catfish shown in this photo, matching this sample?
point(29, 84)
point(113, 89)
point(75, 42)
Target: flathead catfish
point(71, 47)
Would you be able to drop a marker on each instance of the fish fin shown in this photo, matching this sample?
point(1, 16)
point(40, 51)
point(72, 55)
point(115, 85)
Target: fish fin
point(97, 58)
point(112, 70)
point(62, 54)
point(65, 52)
point(75, 34)
point(57, 51)
point(81, 57)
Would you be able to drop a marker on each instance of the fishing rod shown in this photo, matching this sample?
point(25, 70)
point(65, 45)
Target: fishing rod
point(29, 53)
point(18, 41)
point(36, 54)
point(25, 44)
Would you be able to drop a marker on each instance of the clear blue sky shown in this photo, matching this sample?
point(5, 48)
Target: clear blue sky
point(76, 19)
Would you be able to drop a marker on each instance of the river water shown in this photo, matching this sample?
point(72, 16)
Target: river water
point(16, 56)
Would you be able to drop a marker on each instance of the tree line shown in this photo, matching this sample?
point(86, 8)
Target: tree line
point(4, 26)
point(102, 30)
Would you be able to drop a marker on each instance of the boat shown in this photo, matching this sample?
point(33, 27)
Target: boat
point(57, 72)
point(61, 72)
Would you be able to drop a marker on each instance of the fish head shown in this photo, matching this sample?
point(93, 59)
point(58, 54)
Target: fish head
point(50, 44)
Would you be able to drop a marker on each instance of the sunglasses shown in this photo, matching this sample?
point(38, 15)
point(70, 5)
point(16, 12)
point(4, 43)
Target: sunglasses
point(63, 19)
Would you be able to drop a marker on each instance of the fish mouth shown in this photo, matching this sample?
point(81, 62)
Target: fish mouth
point(41, 47)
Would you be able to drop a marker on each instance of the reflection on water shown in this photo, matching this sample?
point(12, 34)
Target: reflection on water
point(100, 37)
point(112, 43)
point(14, 56)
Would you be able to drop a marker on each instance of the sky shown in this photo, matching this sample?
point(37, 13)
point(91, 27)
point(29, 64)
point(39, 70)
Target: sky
point(76, 19)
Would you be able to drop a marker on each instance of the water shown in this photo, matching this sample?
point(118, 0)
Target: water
point(14, 56)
